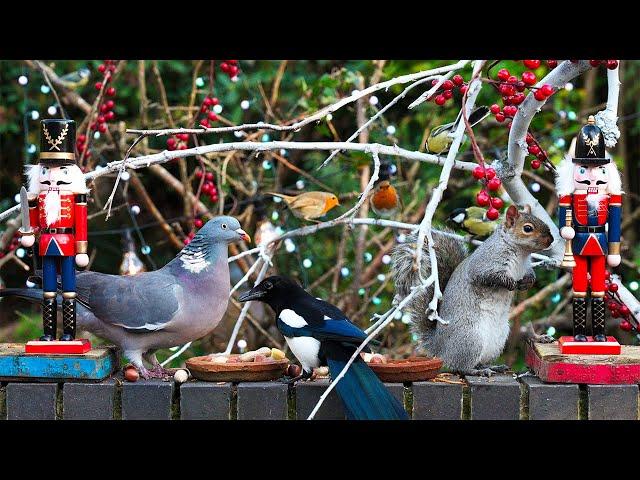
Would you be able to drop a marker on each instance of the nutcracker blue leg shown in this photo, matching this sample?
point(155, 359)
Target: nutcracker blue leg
point(49, 304)
point(68, 274)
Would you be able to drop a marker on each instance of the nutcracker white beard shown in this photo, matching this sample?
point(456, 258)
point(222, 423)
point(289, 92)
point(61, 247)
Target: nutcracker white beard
point(52, 206)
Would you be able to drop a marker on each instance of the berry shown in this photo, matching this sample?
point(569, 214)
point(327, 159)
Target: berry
point(101, 119)
point(98, 85)
point(510, 110)
point(110, 115)
point(440, 100)
point(613, 287)
point(534, 149)
point(552, 63)
point(535, 164)
point(512, 79)
point(209, 176)
point(434, 82)
point(595, 63)
point(207, 101)
point(482, 198)
point(490, 173)
point(182, 147)
point(102, 68)
point(206, 188)
point(529, 78)
point(521, 86)
point(495, 108)
point(458, 80)
point(233, 70)
point(109, 104)
point(547, 90)
point(102, 127)
point(626, 326)
point(212, 116)
point(233, 62)
point(497, 202)
point(506, 100)
point(529, 139)
point(538, 95)
point(612, 64)
point(187, 241)
point(494, 184)
point(518, 98)
point(478, 172)
point(82, 138)
point(204, 123)
point(171, 143)
point(612, 305)
point(447, 94)
point(503, 74)
point(198, 222)
point(542, 155)
point(624, 310)
point(111, 91)
point(199, 174)
point(215, 101)
point(224, 66)
point(500, 117)
point(447, 85)
point(464, 88)
point(607, 274)
point(493, 214)
point(531, 64)
point(103, 108)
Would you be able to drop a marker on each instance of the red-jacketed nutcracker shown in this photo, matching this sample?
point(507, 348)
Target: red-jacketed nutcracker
point(590, 204)
point(57, 206)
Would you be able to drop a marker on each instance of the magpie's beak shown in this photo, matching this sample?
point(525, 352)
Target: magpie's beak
point(244, 235)
point(253, 294)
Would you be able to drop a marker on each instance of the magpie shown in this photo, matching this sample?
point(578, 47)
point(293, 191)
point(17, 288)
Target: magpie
point(320, 334)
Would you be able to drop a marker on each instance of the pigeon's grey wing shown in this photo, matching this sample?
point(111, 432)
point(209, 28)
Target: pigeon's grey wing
point(144, 302)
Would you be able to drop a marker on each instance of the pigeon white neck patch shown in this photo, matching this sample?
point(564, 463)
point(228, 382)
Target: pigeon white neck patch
point(195, 262)
point(292, 319)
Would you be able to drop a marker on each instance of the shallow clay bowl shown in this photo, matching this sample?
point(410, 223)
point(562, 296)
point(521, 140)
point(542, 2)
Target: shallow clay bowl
point(412, 369)
point(204, 369)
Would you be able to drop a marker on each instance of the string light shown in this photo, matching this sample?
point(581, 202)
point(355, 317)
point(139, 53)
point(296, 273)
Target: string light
point(397, 315)
point(551, 331)
point(244, 104)
point(344, 271)
point(328, 117)
point(307, 263)
point(289, 245)
point(20, 252)
point(568, 87)
point(279, 230)
point(45, 89)
point(572, 115)
point(373, 100)
point(275, 216)
point(556, 297)
point(560, 143)
point(283, 152)
point(535, 187)
point(402, 238)
point(146, 249)
point(52, 110)
point(376, 300)
point(125, 176)
point(562, 114)
point(266, 137)
point(23, 80)
point(367, 257)
point(29, 284)
point(199, 82)
point(300, 184)
point(217, 108)
point(135, 209)
point(238, 134)
point(35, 115)
point(381, 277)
point(16, 198)
point(361, 292)
point(277, 199)
point(32, 148)
point(96, 135)
point(242, 345)
point(406, 318)
point(634, 285)
point(266, 165)
point(386, 259)
point(391, 130)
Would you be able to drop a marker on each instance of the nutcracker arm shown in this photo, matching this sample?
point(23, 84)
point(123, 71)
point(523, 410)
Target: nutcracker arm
point(80, 214)
point(615, 224)
point(564, 204)
point(33, 212)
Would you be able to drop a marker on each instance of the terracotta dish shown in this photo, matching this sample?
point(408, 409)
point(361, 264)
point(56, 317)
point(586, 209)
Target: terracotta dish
point(412, 369)
point(203, 368)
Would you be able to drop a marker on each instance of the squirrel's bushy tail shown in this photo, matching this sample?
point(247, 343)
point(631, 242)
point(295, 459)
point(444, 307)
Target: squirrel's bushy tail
point(450, 252)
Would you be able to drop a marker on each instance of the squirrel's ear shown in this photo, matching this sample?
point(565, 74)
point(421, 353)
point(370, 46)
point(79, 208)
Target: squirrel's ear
point(511, 215)
point(527, 208)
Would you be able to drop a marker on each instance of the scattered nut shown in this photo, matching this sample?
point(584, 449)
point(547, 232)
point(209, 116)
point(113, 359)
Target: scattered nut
point(277, 354)
point(321, 371)
point(248, 356)
point(220, 359)
point(293, 370)
point(131, 373)
point(181, 376)
point(264, 351)
point(367, 357)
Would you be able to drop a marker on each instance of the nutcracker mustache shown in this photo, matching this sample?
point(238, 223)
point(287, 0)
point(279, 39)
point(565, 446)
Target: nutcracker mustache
point(588, 182)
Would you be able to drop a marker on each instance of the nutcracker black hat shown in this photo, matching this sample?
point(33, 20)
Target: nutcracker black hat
point(57, 142)
point(590, 145)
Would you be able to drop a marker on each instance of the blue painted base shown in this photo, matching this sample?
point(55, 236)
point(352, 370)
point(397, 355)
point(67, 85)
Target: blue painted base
point(97, 364)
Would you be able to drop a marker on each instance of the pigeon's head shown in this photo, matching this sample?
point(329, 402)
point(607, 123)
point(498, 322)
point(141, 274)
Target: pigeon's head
point(274, 291)
point(223, 229)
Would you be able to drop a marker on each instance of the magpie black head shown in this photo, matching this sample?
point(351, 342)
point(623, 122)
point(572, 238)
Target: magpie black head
point(275, 291)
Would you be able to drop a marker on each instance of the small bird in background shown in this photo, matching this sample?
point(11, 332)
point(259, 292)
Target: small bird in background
point(439, 140)
point(385, 201)
point(77, 79)
point(319, 334)
point(473, 220)
point(309, 205)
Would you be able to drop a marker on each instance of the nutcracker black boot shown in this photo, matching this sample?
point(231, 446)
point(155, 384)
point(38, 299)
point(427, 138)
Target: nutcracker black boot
point(580, 319)
point(49, 317)
point(68, 319)
point(598, 319)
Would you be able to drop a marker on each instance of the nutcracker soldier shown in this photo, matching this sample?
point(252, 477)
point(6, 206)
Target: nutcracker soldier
point(57, 206)
point(590, 204)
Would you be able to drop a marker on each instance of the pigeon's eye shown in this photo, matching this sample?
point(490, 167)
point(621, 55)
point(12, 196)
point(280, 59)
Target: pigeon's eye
point(527, 228)
point(224, 226)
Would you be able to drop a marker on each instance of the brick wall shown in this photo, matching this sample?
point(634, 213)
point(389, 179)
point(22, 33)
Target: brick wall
point(499, 397)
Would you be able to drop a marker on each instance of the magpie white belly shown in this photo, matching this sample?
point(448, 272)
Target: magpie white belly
point(306, 351)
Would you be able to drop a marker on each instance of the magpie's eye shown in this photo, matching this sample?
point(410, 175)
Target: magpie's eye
point(527, 228)
point(268, 286)
point(224, 226)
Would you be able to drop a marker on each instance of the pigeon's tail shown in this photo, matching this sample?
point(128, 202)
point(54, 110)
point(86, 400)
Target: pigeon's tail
point(363, 394)
point(31, 294)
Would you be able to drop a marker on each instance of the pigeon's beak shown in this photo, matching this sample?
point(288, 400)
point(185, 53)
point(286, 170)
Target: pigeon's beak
point(253, 294)
point(244, 235)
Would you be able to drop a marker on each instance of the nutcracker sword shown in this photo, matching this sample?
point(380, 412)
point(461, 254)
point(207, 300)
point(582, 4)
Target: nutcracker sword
point(25, 229)
point(568, 261)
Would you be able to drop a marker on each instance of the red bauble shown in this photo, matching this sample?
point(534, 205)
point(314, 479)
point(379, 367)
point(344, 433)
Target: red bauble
point(490, 173)
point(535, 164)
point(497, 202)
point(494, 184)
point(483, 198)
point(458, 80)
point(440, 100)
point(495, 108)
point(478, 172)
point(529, 78)
point(532, 64)
point(503, 74)
point(626, 326)
point(493, 214)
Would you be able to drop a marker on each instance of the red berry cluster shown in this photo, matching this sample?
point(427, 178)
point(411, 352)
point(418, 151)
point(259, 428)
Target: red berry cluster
point(615, 305)
point(178, 141)
point(610, 64)
point(490, 183)
point(105, 109)
point(15, 243)
point(445, 92)
point(207, 113)
point(535, 150)
point(230, 67)
point(81, 145)
point(208, 187)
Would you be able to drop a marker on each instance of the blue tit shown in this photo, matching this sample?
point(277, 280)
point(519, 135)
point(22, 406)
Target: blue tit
point(77, 79)
point(439, 139)
point(473, 220)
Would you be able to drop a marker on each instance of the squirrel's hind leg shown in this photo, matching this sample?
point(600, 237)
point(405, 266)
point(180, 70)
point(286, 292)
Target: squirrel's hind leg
point(485, 371)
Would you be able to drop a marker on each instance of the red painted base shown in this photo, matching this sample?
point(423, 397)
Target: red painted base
point(569, 346)
point(78, 346)
point(550, 365)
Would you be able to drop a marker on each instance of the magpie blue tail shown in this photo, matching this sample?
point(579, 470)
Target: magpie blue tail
point(32, 294)
point(363, 394)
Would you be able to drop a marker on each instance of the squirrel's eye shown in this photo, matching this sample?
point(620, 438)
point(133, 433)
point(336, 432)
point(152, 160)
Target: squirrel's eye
point(527, 228)
point(224, 226)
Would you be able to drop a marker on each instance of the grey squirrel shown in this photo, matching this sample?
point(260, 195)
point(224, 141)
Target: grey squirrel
point(477, 290)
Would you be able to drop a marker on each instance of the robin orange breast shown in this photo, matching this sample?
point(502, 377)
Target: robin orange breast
point(384, 200)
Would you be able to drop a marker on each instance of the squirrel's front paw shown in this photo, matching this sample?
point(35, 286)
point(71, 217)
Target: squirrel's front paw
point(526, 282)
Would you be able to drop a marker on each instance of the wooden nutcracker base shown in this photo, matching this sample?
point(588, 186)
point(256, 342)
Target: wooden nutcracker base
point(94, 365)
point(551, 365)
point(74, 347)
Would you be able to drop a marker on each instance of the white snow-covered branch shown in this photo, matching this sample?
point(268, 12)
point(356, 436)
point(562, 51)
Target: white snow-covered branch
point(607, 119)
